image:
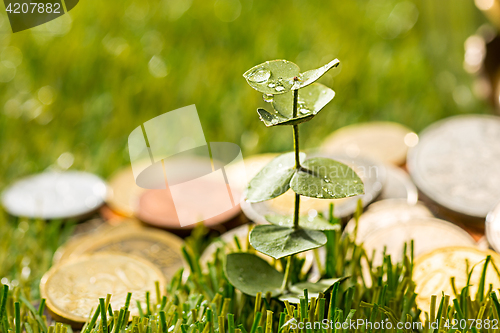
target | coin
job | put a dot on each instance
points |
(123, 196)
(73, 288)
(55, 195)
(227, 241)
(373, 176)
(203, 198)
(398, 185)
(87, 234)
(432, 272)
(456, 164)
(251, 166)
(492, 228)
(428, 234)
(386, 142)
(159, 247)
(384, 213)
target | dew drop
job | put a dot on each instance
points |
(268, 97)
(279, 88)
(260, 75)
(303, 111)
(271, 85)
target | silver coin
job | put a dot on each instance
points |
(55, 195)
(428, 234)
(456, 163)
(373, 175)
(398, 185)
(492, 229)
(384, 213)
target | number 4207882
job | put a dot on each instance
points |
(19, 8)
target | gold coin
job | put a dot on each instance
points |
(432, 272)
(123, 195)
(73, 288)
(90, 235)
(385, 142)
(161, 248)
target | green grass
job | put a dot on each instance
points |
(97, 69)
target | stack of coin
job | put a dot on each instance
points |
(115, 259)
(72, 289)
(386, 142)
(432, 273)
(373, 175)
(55, 195)
(455, 166)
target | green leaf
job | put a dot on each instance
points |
(311, 101)
(251, 274)
(325, 178)
(278, 242)
(272, 77)
(313, 223)
(313, 289)
(274, 179)
(309, 77)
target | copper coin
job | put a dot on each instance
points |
(456, 164)
(373, 176)
(433, 271)
(73, 288)
(398, 185)
(156, 207)
(386, 142)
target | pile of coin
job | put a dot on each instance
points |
(455, 166)
(109, 259)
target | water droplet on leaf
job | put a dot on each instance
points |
(268, 98)
(260, 75)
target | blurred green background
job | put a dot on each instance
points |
(81, 83)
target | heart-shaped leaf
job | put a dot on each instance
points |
(251, 274)
(325, 178)
(274, 179)
(311, 100)
(313, 223)
(278, 242)
(272, 77)
(313, 289)
(309, 77)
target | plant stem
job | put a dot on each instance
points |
(286, 279)
(297, 159)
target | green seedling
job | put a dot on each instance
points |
(295, 98)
